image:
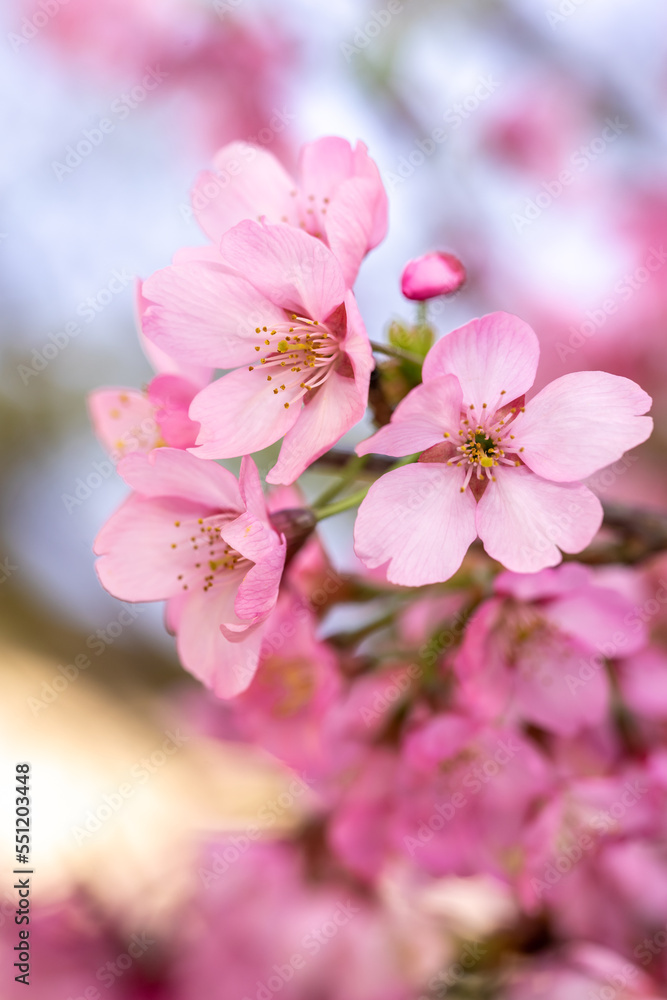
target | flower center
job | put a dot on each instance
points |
(485, 441)
(203, 555)
(298, 356)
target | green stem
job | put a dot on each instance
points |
(346, 639)
(354, 466)
(422, 314)
(336, 508)
(397, 352)
(355, 498)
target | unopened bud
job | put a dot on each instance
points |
(433, 274)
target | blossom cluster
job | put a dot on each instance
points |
(502, 723)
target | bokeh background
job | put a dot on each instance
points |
(527, 136)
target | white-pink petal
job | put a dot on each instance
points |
(523, 520)
(240, 414)
(580, 423)
(428, 415)
(124, 421)
(170, 472)
(200, 314)
(494, 358)
(227, 668)
(287, 266)
(248, 183)
(328, 413)
(350, 222)
(256, 540)
(416, 522)
(138, 561)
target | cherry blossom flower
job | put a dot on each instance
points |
(277, 307)
(493, 466)
(191, 534)
(339, 197)
(535, 651)
(433, 274)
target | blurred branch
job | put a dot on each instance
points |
(641, 534)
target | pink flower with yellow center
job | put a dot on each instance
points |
(191, 534)
(492, 465)
(276, 309)
(338, 196)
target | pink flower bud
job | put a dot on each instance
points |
(433, 274)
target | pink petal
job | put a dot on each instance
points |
(171, 396)
(169, 472)
(202, 315)
(323, 165)
(162, 362)
(441, 738)
(365, 167)
(137, 561)
(256, 540)
(124, 421)
(643, 683)
(240, 414)
(350, 222)
(597, 616)
(227, 668)
(428, 415)
(328, 413)
(418, 522)
(581, 422)
(546, 583)
(494, 358)
(287, 266)
(523, 520)
(251, 489)
(550, 693)
(248, 183)
(355, 343)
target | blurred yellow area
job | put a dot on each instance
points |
(120, 800)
